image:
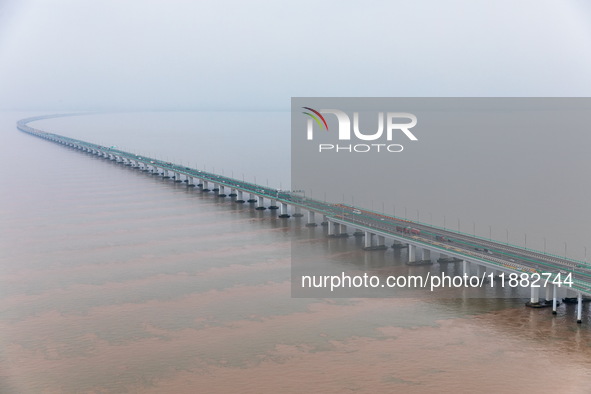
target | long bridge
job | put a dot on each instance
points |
(484, 256)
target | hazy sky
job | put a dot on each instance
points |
(145, 54)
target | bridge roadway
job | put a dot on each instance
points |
(485, 253)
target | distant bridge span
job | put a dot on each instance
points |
(474, 252)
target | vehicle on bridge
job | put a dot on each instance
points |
(408, 230)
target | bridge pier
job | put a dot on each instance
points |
(466, 268)
(535, 295)
(548, 295)
(273, 205)
(331, 228)
(252, 199)
(216, 188)
(554, 303)
(191, 182)
(311, 222)
(338, 230)
(222, 192)
(411, 253)
(240, 197)
(261, 204)
(381, 241)
(297, 212)
(283, 213)
(368, 240)
(205, 185)
(426, 254)
(478, 270)
(579, 307)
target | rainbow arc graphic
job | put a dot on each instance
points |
(317, 116)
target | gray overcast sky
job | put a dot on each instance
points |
(144, 54)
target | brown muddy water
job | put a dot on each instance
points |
(115, 281)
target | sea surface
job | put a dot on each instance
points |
(117, 281)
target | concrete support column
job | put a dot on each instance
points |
(368, 239)
(252, 198)
(331, 228)
(222, 191)
(535, 295)
(465, 267)
(297, 212)
(411, 252)
(426, 254)
(579, 308)
(554, 299)
(311, 222)
(261, 203)
(240, 197)
(190, 181)
(548, 293)
(205, 186)
(478, 270)
(381, 241)
(273, 205)
(342, 228)
(283, 213)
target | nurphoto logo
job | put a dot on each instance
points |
(316, 117)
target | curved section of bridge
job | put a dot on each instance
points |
(484, 255)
